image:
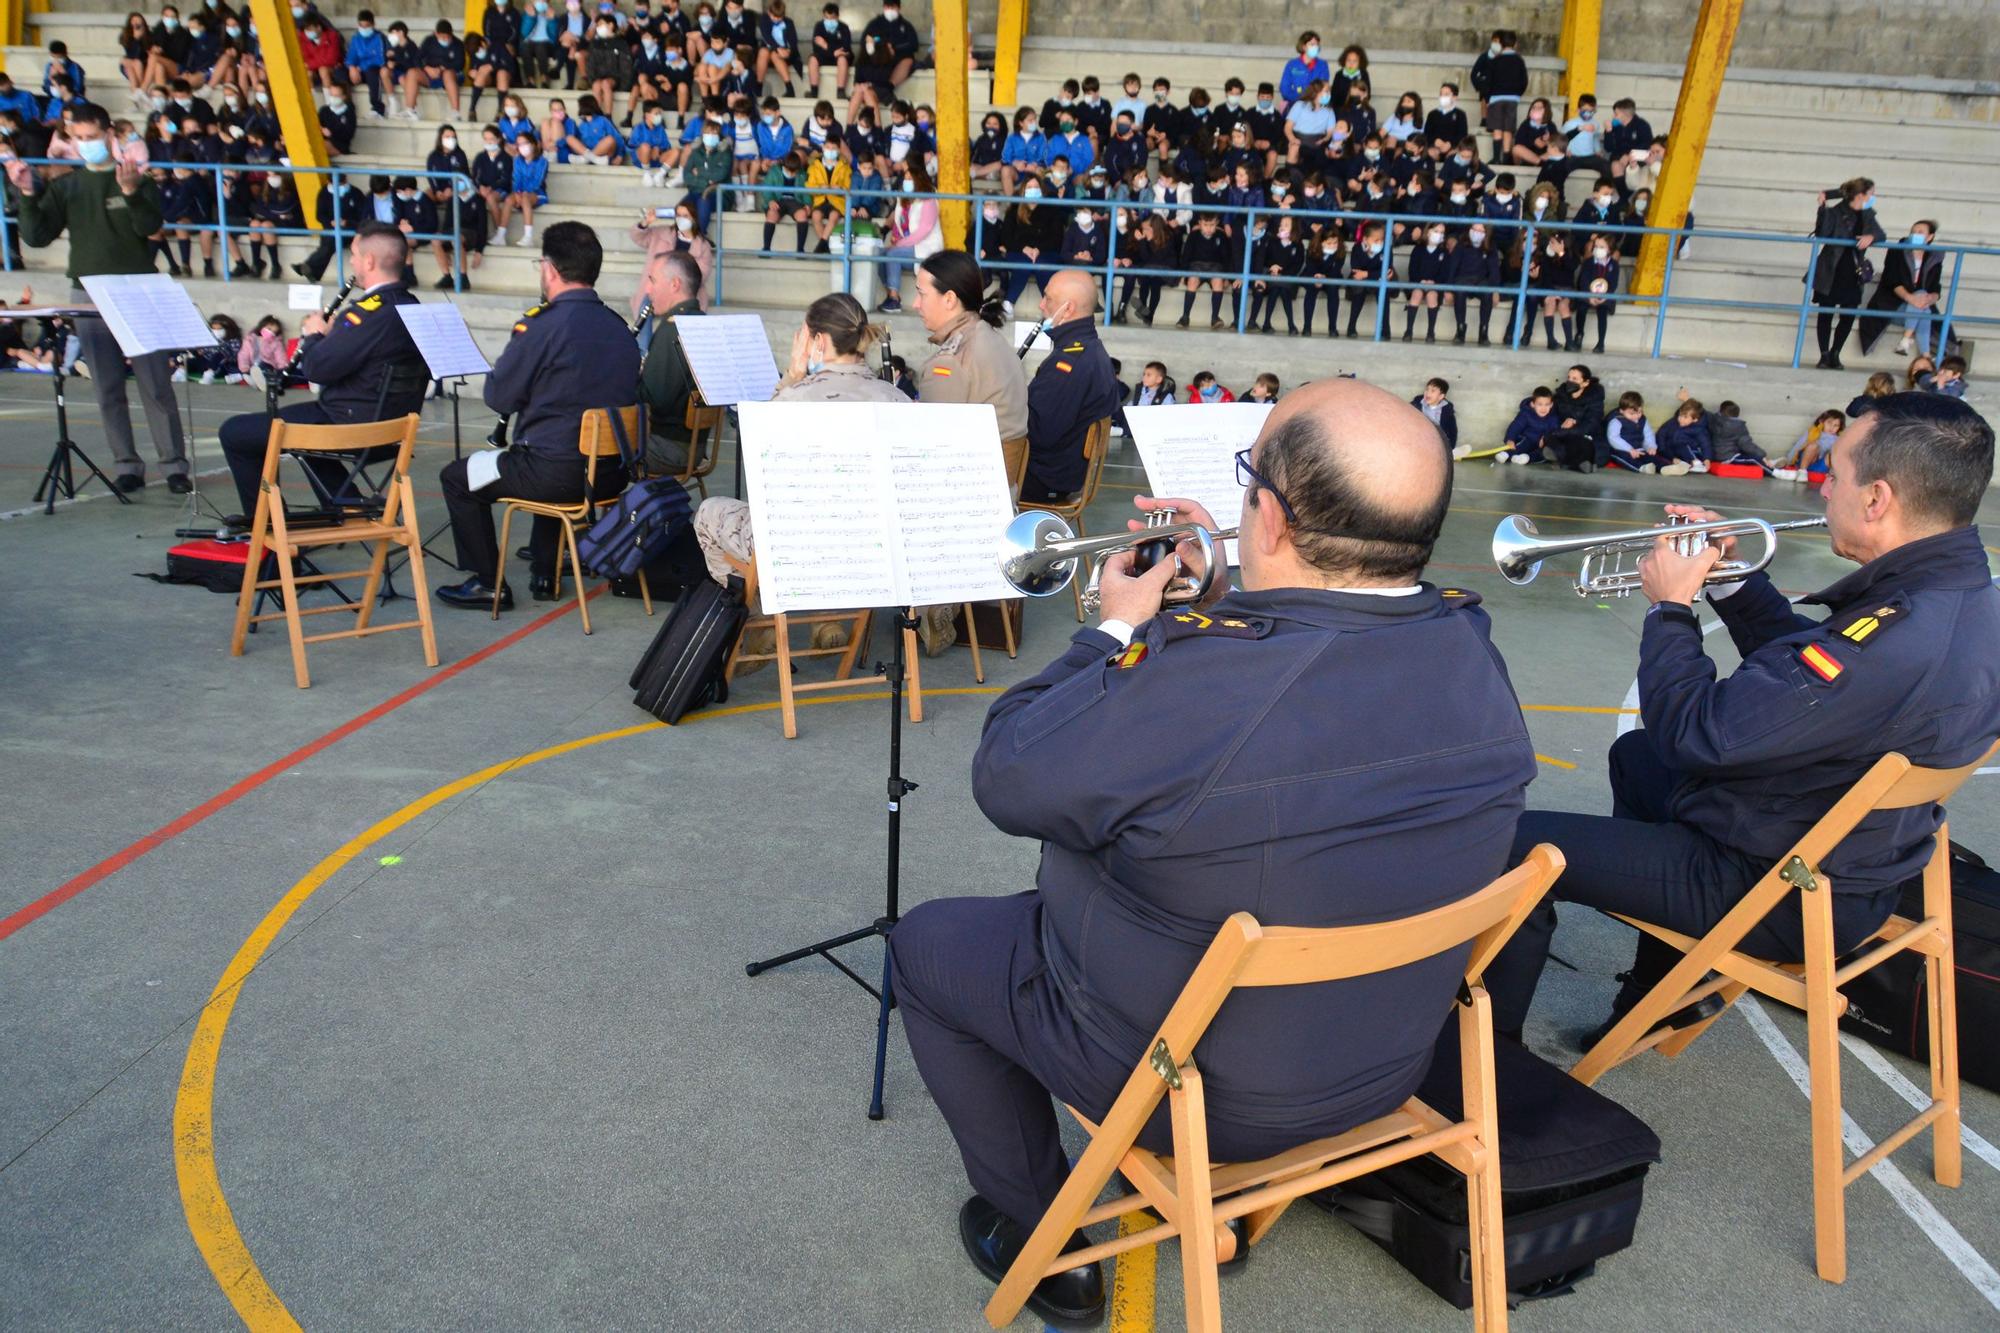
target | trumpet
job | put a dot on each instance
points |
(1519, 550)
(1040, 554)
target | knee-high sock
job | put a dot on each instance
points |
(1431, 322)
(1187, 306)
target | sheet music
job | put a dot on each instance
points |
(148, 312)
(442, 338)
(875, 504)
(1190, 449)
(730, 356)
(304, 296)
(482, 468)
(1023, 328)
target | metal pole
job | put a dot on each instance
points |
(1950, 303)
(1666, 295)
(1243, 282)
(847, 242)
(1110, 263)
(222, 221)
(1521, 291)
(1805, 301)
(1382, 282)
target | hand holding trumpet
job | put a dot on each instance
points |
(1137, 597)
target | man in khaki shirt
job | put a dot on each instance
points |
(972, 363)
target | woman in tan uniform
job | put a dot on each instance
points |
(971, 361)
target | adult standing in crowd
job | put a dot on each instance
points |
(1848, 221)
(109, 211)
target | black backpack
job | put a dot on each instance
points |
(682, 668)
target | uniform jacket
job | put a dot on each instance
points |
(1072, 389)
(566, 356)
(667, 383)
(1263, 799)
(1527, 431)
(973, 363)
(363, 345)
(1907, 659)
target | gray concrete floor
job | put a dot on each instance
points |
(517, 1078)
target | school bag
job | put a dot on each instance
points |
(1573, 1169)
(209, 563)
(1887, 1005)
(640, 524)
(681, 669)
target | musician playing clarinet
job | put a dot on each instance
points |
(568, 355)
(362, 358)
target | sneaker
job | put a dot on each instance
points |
(1699, 465)
(527, 236)
(372, 114)
(676, 180)
(1676, 468)
(208, 377)
(1785, 473)
(1521, 459)
(1903, 347)
(1500, 460)
(1462, 451)
(890, 306)
(1647, 468)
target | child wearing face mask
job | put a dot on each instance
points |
(1473, 262)
(607, 64)
(541, 46)
(1150, 243)
(1597, 281)
(1306, 68)
(1025, 151)
(1553, 271)
(1204, 388)
(709, 115)
(1350, 80)
(988, 153)
(493, 171)
(775, 139)
(788, 175)
(276, 209)
(401, 68)
(777, 46)
(443, 61)
(527, 189)
(1367, 264)
(591, 136)
(827, 173)
(832, 45)
(708, 163)
(264, 349)
(1427, 267)
(650, 142)
(1602, 208)
(1500, 77)
(1280, 254)
(1407, 121)
(366, 54)
(1326, 255)
(1446, 123)
(221, 361)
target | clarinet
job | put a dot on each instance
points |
(339, 300)
(888, 374)
(1021, 353)
(645, 313)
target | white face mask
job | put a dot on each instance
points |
(1493, 48)
(1504, 197)
(448, 142)
(1605, 200)
(1541, 207)
(683, 224)
(1086, 223)
(1445, 100)
(1436, 239)
(1458, 196)
(492, 150)
(1476, 235)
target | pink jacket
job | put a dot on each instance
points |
(914, 223)
(660, 238)
(268, 348)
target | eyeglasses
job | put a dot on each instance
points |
(1249, 478)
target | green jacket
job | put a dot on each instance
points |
(707, 166)
(666, 383)
(107, 228)
(787, 203)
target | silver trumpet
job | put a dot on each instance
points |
(1519, 550)
(1040, 555)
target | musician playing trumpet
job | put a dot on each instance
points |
(1726, 774)
(360, 355)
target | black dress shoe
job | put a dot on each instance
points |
(475, 594)
(993, 1240)
(179, 484)
(1629, 995)
(542, 587)
(130, 483)
(525, 554)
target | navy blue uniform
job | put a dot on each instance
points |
(1073, 388)
(1257, 797)
(566, 357)
(364, 354)
(1728, 774)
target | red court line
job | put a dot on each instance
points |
(159, 837)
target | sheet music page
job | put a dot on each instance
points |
(951, 498)
(820, 505)
(1190, 449)
(148, 312)
(304, 296)
(445, 342)
(730, 356)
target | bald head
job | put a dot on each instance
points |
(1367, 476)
(1069, 294)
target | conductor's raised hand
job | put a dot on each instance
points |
(130, 176)
(21, 176)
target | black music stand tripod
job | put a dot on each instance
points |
(59, 478)
(899, 787)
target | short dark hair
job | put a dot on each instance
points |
(1443, 385)
(1631, 401)
(90, 113)
(1936, 452)
(681, 264)
(1338, 529)
(574, 252)
(1624, 104)
(957, 272)
(1728, 409)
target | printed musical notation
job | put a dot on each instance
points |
(1190, 449)
(730, 356)
(869, 504)
(148, 312)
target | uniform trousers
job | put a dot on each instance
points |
(523, 476)
(1641, 864)
(994, 1037)
(246, 437)
(155, 375)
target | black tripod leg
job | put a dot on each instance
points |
(882, 1030)
(752, 969)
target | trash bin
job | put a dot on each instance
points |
(864, 273)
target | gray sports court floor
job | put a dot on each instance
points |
(497, 1065)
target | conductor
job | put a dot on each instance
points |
(1727, 774)
(1181, 765)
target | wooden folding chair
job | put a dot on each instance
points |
(1814, 986)
(596, 439)
(781, 625)
(1014, 454)
(704, 425)
(270, 535)
(1195, 1196)
(1096, 443)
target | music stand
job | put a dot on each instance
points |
(818, 473)
(59, 477)
(445, 343)
(732, 362)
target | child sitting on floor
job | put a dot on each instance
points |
(1534, 423)
(1204, 389)
(1685, 442)
(1435, 404)
(1630, 435)
(1816, 443)
(1263, 390)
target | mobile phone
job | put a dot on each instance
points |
(663, 215)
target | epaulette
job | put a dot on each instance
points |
(521, 325)
(1458, 599)
(369, 303)
(1074, 347)
(1188, 623)
(1863, 626)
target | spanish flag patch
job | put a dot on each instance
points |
(945, 371)
(1063, 366)
(1134, 654)
(353, 318)
(1821, 661)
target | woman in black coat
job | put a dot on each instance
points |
(1580, 409)
(1837, 274)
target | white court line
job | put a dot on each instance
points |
(1920, 1210)
(1878, 1065)
(94, 495)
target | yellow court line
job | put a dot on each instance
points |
(1134, 1276)
(1574, 708)
(210, 1221)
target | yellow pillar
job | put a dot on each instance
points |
(292, 98)
(1581, 21)
(1007, 55)
(13, 22)
(475, 21)
(954, 133)
(1687, 137)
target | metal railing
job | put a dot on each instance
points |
(1385, 285)
(338, 230)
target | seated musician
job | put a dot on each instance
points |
(568, 355)
(673, 284)
(1072, 390)
(363, 359)
(1336, 742)
(1727, 774)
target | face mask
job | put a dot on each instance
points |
(892, 14)
(1330, 248)
(1464, 161)
(1139, 183)
(527, 154)
(991, 213)
(338, 103)
(1199, 112)
(772, 121)
(1372, 154)
(298, 11)
(1032, 192)
(1159, 95)
(1535, 118)
(1264, 104)
(1312, 51)
(831, 159)
(448, 142)
(1601, 253)
(1918, 239)
(1233, 100)
(1436, 239)
(1588, 113)
(492, 150)
(1086, 223)
(367, 27)
(1324, 99)
(395, 39)
(1058, 176)
(683, 224)
(831, 25)
(710, 140)
(1458, 197)
(159, 103)
(1493, 48)
(707, 22)
(1541, 207)
(516, 113)
(1210, 394)
(1444, 102)
(234, 32)
(909, 186)
(95, 152)
(170, 24)
(1605, 200)
(1503, 198)
(742, 123)
(1374, 247)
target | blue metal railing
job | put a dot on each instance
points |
(338, 230)
(1383, 286)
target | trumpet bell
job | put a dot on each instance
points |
(1515, 543)
(1027, 535)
